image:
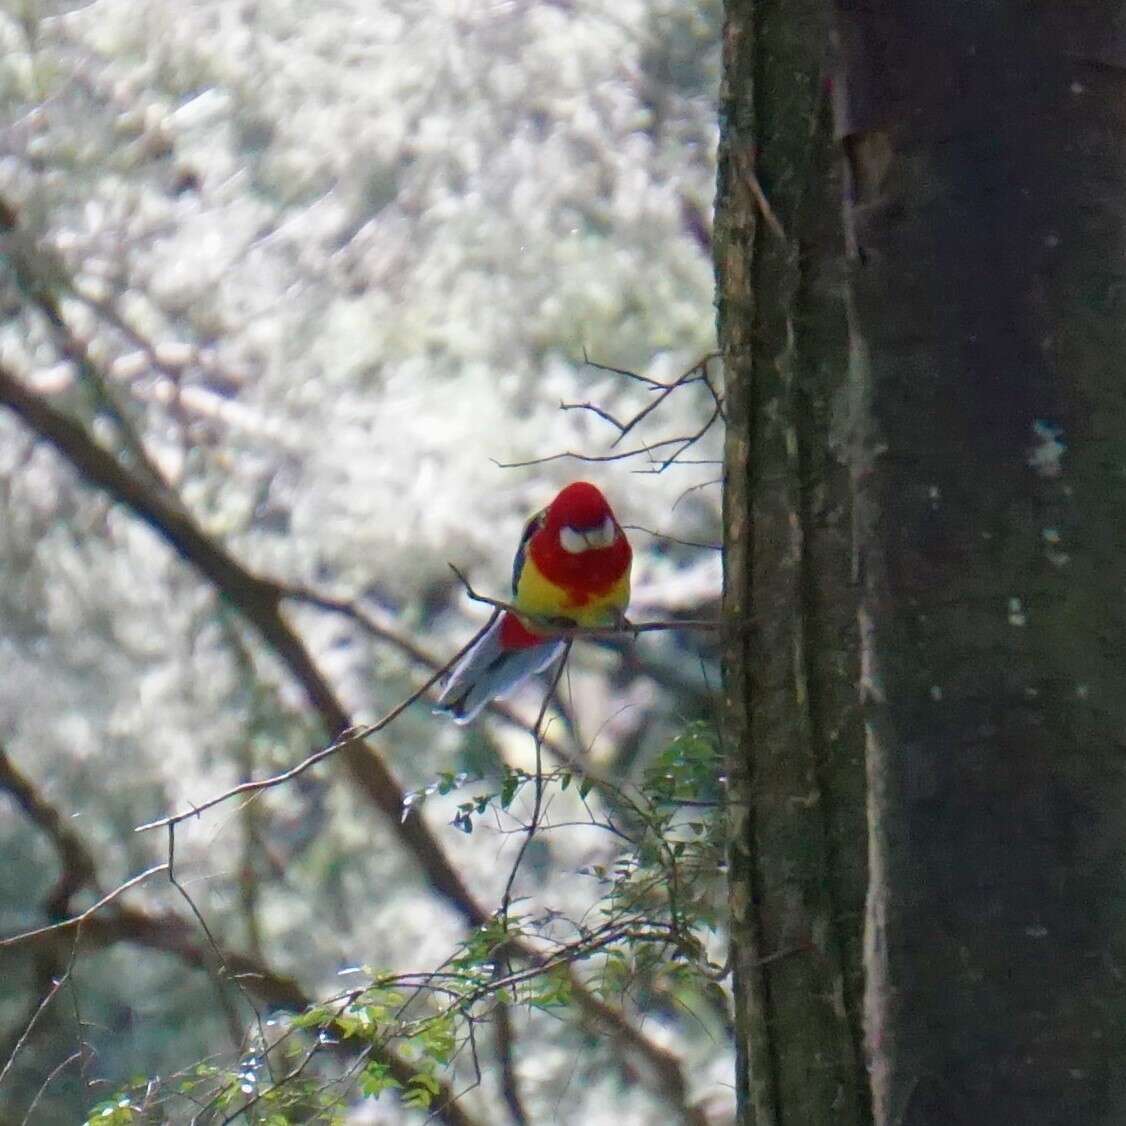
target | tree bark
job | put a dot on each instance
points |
(986, 147)
(794, 753)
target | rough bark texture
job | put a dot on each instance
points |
(795, 764)
(987, 152)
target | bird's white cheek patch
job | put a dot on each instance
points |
(603, 536)
(572, 541)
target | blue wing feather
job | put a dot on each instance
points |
(489, 671)
(530, 529)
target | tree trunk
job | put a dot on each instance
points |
(795, 750)
(986, 147)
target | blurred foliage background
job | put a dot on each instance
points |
(317, 267)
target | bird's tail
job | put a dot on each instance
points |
(497, 665)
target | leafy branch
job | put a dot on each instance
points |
(260, 601)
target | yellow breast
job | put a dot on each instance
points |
(537, 595)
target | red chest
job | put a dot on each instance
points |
(585, 575)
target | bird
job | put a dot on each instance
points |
(572, 568)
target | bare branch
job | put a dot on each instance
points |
(506, 899)
(553, 627)
(505, 1041)
(226, 970)
(621, 456)
(76, 920)
(688, 442)
(348, 739)
(697, 373)
(76, 863)
(258, 600)
(38, 273)
(56, 985)
(603, 414)
(656, 384)
(52, 1075)
(695, 489)
(366, 618)
(664, 538)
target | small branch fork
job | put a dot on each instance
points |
(697, 373)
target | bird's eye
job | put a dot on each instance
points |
(572, 541)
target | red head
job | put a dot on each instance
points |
(580, 506)
(581, 545)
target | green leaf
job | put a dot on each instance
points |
(437, 1040)
(377, 1078)
(423, 1079)
(315, 1017)
(418, 1098)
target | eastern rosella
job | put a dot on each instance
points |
(572, 568)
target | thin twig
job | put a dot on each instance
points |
(697, 373)
(564, 628)
(367, 619)
(649, 448)
(355, 735)
(747, 173)
(88, 1051)
(207, 932)
(672, 539)
(537, 804)
(654, 470)
(76, 920)
(505, 1041)
(593, 409)
(51, 1076)
(258, 599)
(682, 444)
(49, 996)
(656, 384)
